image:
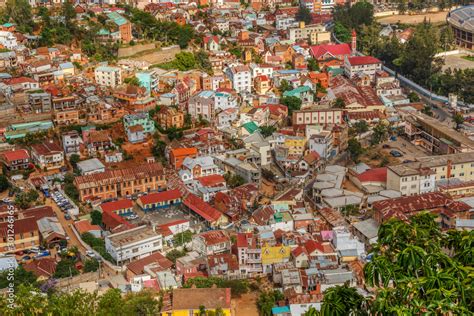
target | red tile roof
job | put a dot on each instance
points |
(373, 175)
(116, 205)
(202, 208)
(160, 196)
(177, 152)
(160, 262)
(363, 60)
(19, 154)
(214, 237)
(38, 212)
(85, 226)
(212, 180)
(42, 268)
(333, 49)
(20, 226)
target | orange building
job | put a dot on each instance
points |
(177, 156)
(170, 117)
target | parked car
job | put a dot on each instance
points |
(385, 146)
(26, 258)
(42, 254)
(90, 253)
(132, 217)
(67, 216)
(396, 153)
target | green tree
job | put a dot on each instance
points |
(174, 254)
(202, 60)
(267, 300)
(379, 134)
(342, 300)
(413, 97)
(141, 303)
(111, 303)
(361, 127)
(182, 238)
(355, 149)
(66, 268)
(20, 276)
(284, 86)
(96, 217)
(267, 130)
(91, 265)
(313, 64)
(342, 33)
(233, 180)
(339, 103)
(132, 81)
(292, 103)
(304, 15)
(19, 11)
(26, 198)
(458, 119)
(74, 159)
(4, 183)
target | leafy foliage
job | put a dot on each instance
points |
(97, 244)
(304, 15)
(20, 276)
(91, 265)
(66, 268)
(4, 183)
(182, 238)
(26, 199)
(96, 217)
(267, 130)
(233, 180)
(293, 103)
(355, 149)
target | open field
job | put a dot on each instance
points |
(414, 19)
(246, 305)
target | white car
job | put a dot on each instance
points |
(133, 216)
(90, 253)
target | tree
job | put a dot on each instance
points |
(342, 300)
(20, 276)
(379, 134)
(182, 238)
(361, 127)
(284, 86)
(313, 64)
(458, 119)
(66, 268)
(174, 254)
(4, 183)
(132, 81)
(202, 310)
(413, 97)
(267, 130)
(202, 60)
(355, 149)
(304, 15)
(74, 159)
(234, 180)
(111, 303)
(267, 300)
(96, 217)
(91, 265)
(19, 11)
(339, 103)
(26, 198)
(292, 103)
(342, 33)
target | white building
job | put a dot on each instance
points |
(411, 181)
(240, 77)
(108, 76)
(134, 243)
(47, 155)
(211, 242)
(261, 70)
(206, 103)
(8, 40)
(201, 166)
(284, 21)
(361, 65)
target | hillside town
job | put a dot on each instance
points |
(236, 158)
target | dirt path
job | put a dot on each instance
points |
(415, 19)
(246, 305)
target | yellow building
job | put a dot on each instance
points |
(187, 302)
(296, 145)
(275, 254)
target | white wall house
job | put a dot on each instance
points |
(108, 76)
(240, 77)
(134, 243)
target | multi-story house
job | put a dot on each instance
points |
(201, 105)
(178, 155)
(312, 116)
(420, 176)
(121, 182)
(361, 65)
(149, 80)
(323, 144)
(123, 26)
(135, 243)
(249, 254)
(211, 43)
(16, 159)
(48, 155)
(97, 142)
(240, 78)
(261, 70)
(201, 166)
(108, 76)
(39, 102)
(316, 33)
(71, 143)
(212, 242)
(25, 235)
(142, 119)
(169, 117)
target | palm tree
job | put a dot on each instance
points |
(379, 271)
(342, 300)
(312, 312)
(411, 260)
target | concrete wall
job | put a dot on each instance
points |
(132, 50)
